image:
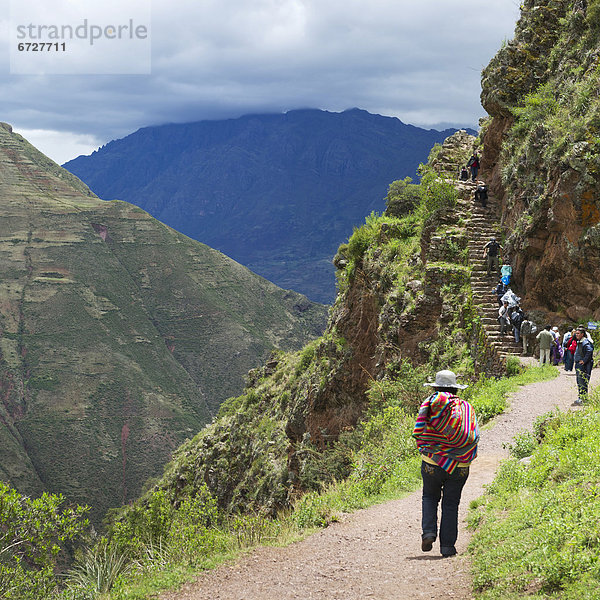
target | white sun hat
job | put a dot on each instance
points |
(446, 379)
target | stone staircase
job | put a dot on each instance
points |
(481, 227)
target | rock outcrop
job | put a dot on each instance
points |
(542, 151)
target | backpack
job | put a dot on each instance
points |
(482, 192)
(516, 318)
(526, 327)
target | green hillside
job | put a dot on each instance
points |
(406, 307)
(119, 337)
(327, 428)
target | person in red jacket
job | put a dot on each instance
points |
(569, 347)
(473, 164)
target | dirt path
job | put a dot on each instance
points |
(375, 553)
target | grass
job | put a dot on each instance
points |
(385, 466)
(490, 397)
(538, 526)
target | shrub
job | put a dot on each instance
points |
(98, 569)
(33, 534)
(513, 366)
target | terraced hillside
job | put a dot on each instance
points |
(119, 337)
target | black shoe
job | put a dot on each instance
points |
(427, 542)
(448, 551)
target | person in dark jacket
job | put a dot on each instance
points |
(490, 253)
(481, 194)
(583, 364)
(500, 290)
(473, 164)
(516, 318)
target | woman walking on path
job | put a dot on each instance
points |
(447, 435)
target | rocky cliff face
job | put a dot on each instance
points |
(542, 154)
(119, 337)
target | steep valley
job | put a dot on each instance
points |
(119, 337)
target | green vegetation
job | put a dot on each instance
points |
(119, 337)
(547, 81)
(34, 538)
(160, 543)
(537, 527)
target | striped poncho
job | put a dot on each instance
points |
(446, 430)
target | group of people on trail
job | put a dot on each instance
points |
(575, 349)
(510, 313)
(446, 429)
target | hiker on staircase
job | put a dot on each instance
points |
(481, 194)
(500, 290)
(473, 164)
(516, 318)
(490, 252)
(504, 317)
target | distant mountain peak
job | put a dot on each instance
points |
(276, 192)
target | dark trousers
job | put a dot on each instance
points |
(568, 358)
(439, 484)
(583, 380)
(492, 264)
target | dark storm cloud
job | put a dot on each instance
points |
(419, 61)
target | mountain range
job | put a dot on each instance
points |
(275, 192)
(119, 337)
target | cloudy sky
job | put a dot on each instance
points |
(212, 59)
